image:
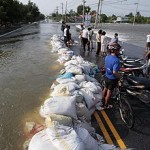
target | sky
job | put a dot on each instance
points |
(109, 7)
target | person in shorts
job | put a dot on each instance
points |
(112, 65)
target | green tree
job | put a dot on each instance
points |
(103, 18)
(87, 9)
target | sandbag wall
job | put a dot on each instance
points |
(74, 97)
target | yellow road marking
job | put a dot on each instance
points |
(103, 129)
(113, 130)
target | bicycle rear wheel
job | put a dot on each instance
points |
(126, 113)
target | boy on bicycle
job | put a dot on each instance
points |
(112, 65)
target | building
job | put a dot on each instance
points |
(121, 20)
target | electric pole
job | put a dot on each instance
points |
(83, 8)
(96, 18)
(66, 12)
(62, 11)
(137, 4)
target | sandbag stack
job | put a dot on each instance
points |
(74, 96)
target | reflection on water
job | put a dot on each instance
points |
(27, 70)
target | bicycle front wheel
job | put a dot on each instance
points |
(126, 113)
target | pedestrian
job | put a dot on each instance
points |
(63, 25)
(98, 42)
(80, 34)
(91, 34)
(104, 41)
(112, 65)
(85, 39)
(115, 38)
(66, 35)
(148, 41)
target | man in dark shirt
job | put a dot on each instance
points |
(112, 65)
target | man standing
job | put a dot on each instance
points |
(98, 41)
(148, 42)
(112, 65)
(63, 25)
(85, 39)
(66, 35)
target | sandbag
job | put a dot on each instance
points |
(60, 119)
(41, 141)
(65, 138)
(88, 140)
(62, 105)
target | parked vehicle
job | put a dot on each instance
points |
(138, 87)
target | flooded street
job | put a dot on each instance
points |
(27, 70)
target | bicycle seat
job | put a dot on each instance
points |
(139, 82)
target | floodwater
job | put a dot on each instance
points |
(28, 69)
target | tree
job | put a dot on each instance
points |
(87, 9)
(103, 18)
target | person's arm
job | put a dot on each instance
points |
(116, 68)
(117, 75)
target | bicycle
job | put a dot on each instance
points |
(125, 109)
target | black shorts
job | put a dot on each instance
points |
(110, 84)
(148, 45)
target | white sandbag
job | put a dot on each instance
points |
(74, 69)
(65, 89)
(74, 62)
(83, 111)
(80, 78)
(86, 126)
(41, 141)
(62, 105)
(61, 60)
(88, 97)
(91, 86)
(62, 50)
(107, 147)
(89, 141)
(80, 59)
(60, 119)
(65, 138)
(60, 90)
(79, 96)
(67, 80)
(88, 78)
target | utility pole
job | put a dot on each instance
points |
(57, 12)
(137, 4)
(96, 18)
(66, 12)
(62, 11)
(100, 12)
(83, 8)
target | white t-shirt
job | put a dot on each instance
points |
(85, 33)
(104, 40)
(148, 38)
(65, 32)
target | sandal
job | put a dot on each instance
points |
(108, 106)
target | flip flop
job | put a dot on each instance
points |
(108, 106)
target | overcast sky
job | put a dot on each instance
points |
(109, 7)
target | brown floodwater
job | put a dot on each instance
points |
(27, 70)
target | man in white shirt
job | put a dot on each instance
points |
(148, 42)
(85, 39)
(104, 42)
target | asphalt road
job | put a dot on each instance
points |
(108, 122)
